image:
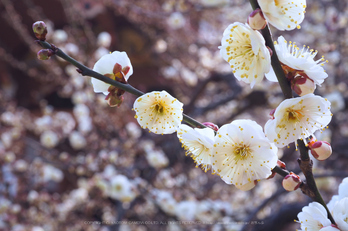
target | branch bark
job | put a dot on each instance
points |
(309, 186)
(85, 71)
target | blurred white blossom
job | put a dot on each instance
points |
(176, 20)
(49, 139)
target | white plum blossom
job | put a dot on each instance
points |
(300, 61)
(120, 188)
(77, 140)
(340, 214)
(71, 49)
(285, 14)
(313, 217)
(248, 186)
(20, 165)
(51, 173)
(338, 206)
(80, 110)
(100, 52)
(32, 196)
(156, 158)
(245, 50)
(298, 118)
(59, 36)
(198, 142)
(114, 65)
(242, 153)
(176, 20)
(37, 228)
(186, 210)
(158, 111)
(133, 130)
(205, 211)
(337, 101)
(213, 3)
(49, 139)
(342, 193)
(166, 201)
(104, 39)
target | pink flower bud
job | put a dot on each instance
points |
(302, 85)
(211, 125)
(291, 182)
(256, 20)
(321, 150)
(40, 30)
(44, 54)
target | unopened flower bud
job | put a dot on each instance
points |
(44, 54)
(40, 30)
(321, 150)
(291, 182)
(302, 85)
(256, 20)
(211, 125)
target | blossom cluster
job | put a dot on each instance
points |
(70, 157)
(240, 152)
(314, 217)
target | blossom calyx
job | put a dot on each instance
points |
(40, 30)
(211, 125)
(115, 66)
(302, 85)
(45, 54)
(256, 20)
(280, 164)
(114, 99)
(321, 150)
(291, 182)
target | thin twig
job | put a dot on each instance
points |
(85, 71)
(278, 70)
(309, 187)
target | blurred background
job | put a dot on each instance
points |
(70, 162)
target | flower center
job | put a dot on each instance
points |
(159, 108)
(241, 152)
(118, 188)
(293, 115)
